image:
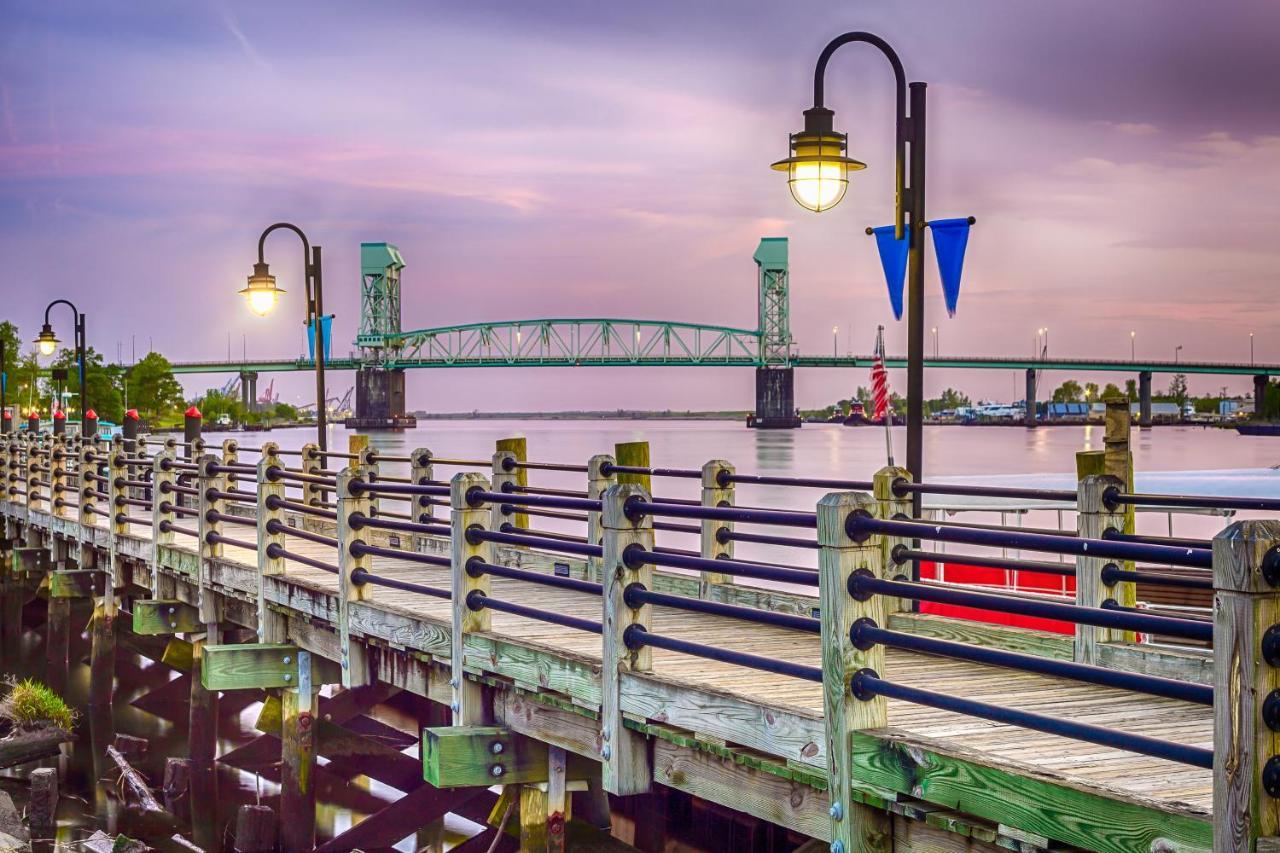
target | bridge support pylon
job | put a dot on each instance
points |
(1144, 398)
(1260, 383)
(1030, 417)
(775, 399)
(380, 400)
(249, 390)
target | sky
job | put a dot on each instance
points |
(587, 159)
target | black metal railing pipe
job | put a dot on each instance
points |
(276, 552)
(1115, 497)
(363, 549)
(859, 525)
(1172, 541)
(903, 487)
(359, 521)
(637, 507)
(866, 633)
(685, 473)
(902, 554)
(636, 594)
(275, 526)
(636, 555)
(581, 549)
(636, 636)
(477, 600)
(864, 585)
(378, 487)
(363, 576)
(724, 478)
(477, 567)
(478, 496)
(1112, 575)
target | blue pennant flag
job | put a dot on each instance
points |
(950, 236)
(326, 333)
(893, 257)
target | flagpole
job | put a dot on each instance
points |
(888, 411)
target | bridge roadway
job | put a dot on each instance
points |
(750, 740)
(1079, 365)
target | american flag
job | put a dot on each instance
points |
(880, 381)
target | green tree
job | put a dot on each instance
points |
(1131, 389)
(214, 404)
(1178, 389)
(1091, 391)
(103, 381)
(12, 357)
(152, 389)
(1068, 392)
(1111, 391)
(284, 412)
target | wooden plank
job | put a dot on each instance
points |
(72, 584)
(1028, 801)
(465, 756)
(165, 616)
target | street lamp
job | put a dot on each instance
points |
(47, 344)
(262, 294)
(835, 341)
(1133, 352)
(935, 341)
(1251, 347)
(817, 175)
(1176, 350)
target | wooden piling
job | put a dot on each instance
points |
(255, 829)
(597, 482)
(889, 506)
(58, 644)
(634, 454)
(715, 494)
(422, 472)
(202, 740)
(297, 756)
(355, 664)
(271, 626)
(1095, 518)
(102, 675)
(42, 808)
(518, 450)
(176, 787)
(468, 705)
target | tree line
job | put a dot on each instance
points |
(148, 386)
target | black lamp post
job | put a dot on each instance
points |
(818, 174)
(47, 344)
(262, 295)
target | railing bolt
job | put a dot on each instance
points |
(497, 770)
(455, 684)
(606, 752)
(456, 707)
(837, 846)
(497, 747)
(836, 811)
(288, 677)
(286, 659)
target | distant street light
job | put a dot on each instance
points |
(1133, 352)
(47, 344)
(935, 341)
(262, 294)
(1176, 350)
(817, 175)
(835, 341)
(1251, 347)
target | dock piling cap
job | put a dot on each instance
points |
(132, 415)
(193, 412)
(59, 415)
(91, 415)
(8, 415)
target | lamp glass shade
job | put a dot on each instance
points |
(46, 342)
(261, 294)
(818, 169)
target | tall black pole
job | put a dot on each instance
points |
(317, 310)
(915, 295)
(80, 357)
(4, 377)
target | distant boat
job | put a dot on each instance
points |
(1259, 428)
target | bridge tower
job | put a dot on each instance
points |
(775, 376)
(379, 385)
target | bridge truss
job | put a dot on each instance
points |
(575, 342)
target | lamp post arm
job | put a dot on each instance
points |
(49, 307)
(306, 244)
(900, 123)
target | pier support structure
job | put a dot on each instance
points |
(1030, 416)
(1144, 398)
(1260, 394)
(249, 390)
(380, 400)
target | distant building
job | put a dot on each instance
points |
(1066, 412)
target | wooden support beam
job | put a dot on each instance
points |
(400, 819)
(625, 753)
(1246, 749)
(715, 494)
(297, 757)
(163, 499)
(165, 616)
(29, 559)
(202, 741)
(422, 472)
(854, 827)
(208, 528)
(262, 666)
(468, 705)
(271, 626)
(76, 583)
(465, 756)
(888, 506)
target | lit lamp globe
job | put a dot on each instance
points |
(46, 342)
(818, 170)
(261, 294)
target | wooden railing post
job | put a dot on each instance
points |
(1094, 518)
(89, 455)
(32, 474)
(271, 626)
(888, 506)
(468, 702)
(355, 665)
(422, 472)
(311, 464)
(597, 482)
(209, 528)
(11, 467)
(854, 827)
(625, 755)
(715, 493)
(503, 479)
(57, 474)
(163, 479)
(1246, 684)
(230, 456)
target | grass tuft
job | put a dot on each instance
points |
(32, 705)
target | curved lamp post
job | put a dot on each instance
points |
(817, 174)
(262, 294)
(47, 344)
